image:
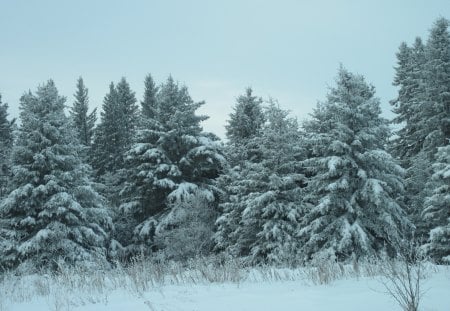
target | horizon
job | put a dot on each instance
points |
(289, 50)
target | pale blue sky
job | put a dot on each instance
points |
(289, 50)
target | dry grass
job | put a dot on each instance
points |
(70, 287)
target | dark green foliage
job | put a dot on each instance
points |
(171, 160)
(354, 181)
(115, 133)
(84, 122)
(53, 213)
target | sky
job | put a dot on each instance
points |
(286, 50)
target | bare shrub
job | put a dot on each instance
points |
(403, 279)
(188, 230)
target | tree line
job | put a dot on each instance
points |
(146, 178)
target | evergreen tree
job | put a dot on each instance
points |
(171, 160)
(114, 135)
(244, 124)
(437, 77)
(53, 213)
(6, 142)
(408, 144)
(437, 211)
(247, 118)
(262, 213)
(436, 116)
(355, 181)
(422, 106)
(409, 102)
(129, 110)
(84, 122)
(149, 103)
(107, 148)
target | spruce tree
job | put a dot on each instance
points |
(355, 181)
(84, 122)
(423, 76)
(408, 144)
(107, 148)
(244, 124)
(129, 110)
(247, 118)
(409, 103)
(148, 105)
(436, 113)
(436, 211)
(262, 212)
(114, 135)
(53, 213)
(6, 143)
(172, 160)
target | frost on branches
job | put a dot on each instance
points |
(53, 213)
(437, 211)
(422, 107)
(171, 161)
(262, 212)
(6, 143)
(354, 180)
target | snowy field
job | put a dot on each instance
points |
(176, 288)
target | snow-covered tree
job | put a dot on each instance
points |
(423, 78)
(84, 122)
(114, 135)
(437, 208)
(53, 213)
(172, 159)
(6, 142)
(107, 147)
(244, 124)
(129, 110)
(408, 142)
(149, 103)
(409, 79)
(262, 211)
(191, 231)
(247, 118)
(355, 181)
(436, 111)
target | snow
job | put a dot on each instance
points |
(351, 293)
(333, 162)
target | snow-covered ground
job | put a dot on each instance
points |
(294, 292)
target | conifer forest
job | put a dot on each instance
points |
(86, 187)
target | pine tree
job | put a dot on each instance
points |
(53, 213)
(84, 122)
(263, 211)
(171, 160)
(355, 181)
(437, 211)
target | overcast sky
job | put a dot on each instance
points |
(288, 50)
